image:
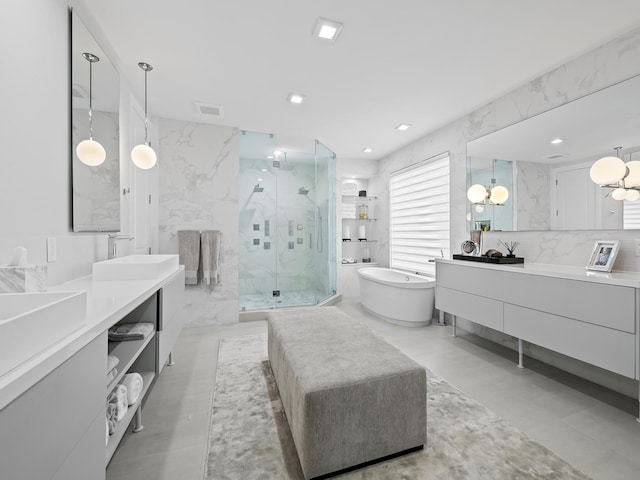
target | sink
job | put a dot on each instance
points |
(32, 322)
(135, 267)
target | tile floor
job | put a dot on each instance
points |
(590, 427)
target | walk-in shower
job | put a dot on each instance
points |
(287, 220)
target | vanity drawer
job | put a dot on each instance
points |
(604, 347)
(470, 279)
(477, 309)
(606, 305)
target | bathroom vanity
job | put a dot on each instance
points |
(53, 405)
(590, 316)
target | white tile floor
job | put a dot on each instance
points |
(596, 430)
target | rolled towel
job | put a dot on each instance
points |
(130, 331)
(118, 398)
(112, 422)
(107, 433)
(111, 375)
(112, 362)
(133, 382)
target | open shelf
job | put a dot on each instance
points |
(127, 352)
(121, 429)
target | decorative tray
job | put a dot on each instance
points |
(503, 260)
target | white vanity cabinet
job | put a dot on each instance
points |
(593, 318)
(56, 429)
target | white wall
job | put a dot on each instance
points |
(35, 198)
(609, 64)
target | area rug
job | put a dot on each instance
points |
(250, 438)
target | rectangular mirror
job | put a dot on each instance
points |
(548, 182)
(96, 189)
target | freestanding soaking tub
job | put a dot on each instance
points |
(397, 297)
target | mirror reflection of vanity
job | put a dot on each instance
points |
(96, 189)
(549, 183)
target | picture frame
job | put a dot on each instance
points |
(604, 255)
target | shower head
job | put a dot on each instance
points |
(258, 188)
(302, 191)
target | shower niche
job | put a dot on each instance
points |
(287, 222)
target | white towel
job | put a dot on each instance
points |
(118, 398)
(210, 240)
(111, 375)
(112, 362)
(189, 253)
(133, 383)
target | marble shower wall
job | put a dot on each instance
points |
(533, 213)
(199, 190)
(613, 62)
(284, 250)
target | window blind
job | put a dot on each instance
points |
(631, 215)
(419, 216)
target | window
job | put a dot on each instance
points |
(419, 217)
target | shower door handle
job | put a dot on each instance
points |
(311, 241)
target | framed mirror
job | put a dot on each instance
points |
(544, 162)
(95, 84)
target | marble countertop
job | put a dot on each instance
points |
(624, 279)
(107, 303)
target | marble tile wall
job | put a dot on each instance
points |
(533, 213)
(609, 64)
(199, 190)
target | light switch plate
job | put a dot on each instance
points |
(51, 249)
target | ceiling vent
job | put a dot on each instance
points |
(555, 156)
(208, 109)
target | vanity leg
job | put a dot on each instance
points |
(137, 426)
(520, 354)
(453, 324)
(441, 321)
(170, 362)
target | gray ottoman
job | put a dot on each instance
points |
(350, 397)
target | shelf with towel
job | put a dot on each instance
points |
(121, 429)
(127, 352)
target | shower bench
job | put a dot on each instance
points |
(350, 397)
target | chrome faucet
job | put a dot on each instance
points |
(112, 242)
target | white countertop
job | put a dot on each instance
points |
(624, 279)
(107, 303)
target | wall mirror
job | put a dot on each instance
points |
(96, 189)
(548, 182)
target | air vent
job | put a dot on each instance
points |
(555, 156)
(208, 109)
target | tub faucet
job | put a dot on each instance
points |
(112, 242)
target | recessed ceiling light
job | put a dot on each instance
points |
(556, 141)
(260, 179)
(327, 29)
(367, 150)
(264, 169)
(403, 126)
(270, 157)
(277, 152)
(295, 98)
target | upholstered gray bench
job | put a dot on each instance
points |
(349, 396)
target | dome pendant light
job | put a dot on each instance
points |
(89, 151)
(143, 156)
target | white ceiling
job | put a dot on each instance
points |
(423, 62)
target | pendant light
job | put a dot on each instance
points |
(623, 178)
(89, 151)
(480, 195)
(143, 156)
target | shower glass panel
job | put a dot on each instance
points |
(287, 219)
